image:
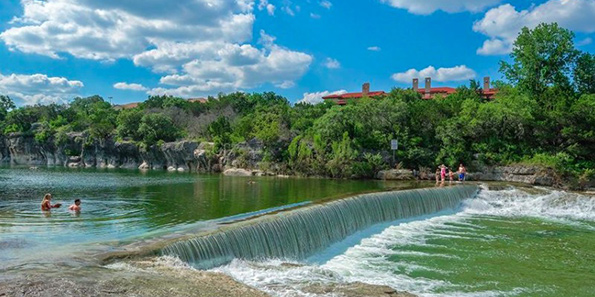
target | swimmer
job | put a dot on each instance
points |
(46, 203)
(76, 206)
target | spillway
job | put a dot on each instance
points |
(300, 233)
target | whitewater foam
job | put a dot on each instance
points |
(368, 261)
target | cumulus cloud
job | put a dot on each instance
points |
(112, 29)
(238, 67)
(502, 24)
(326, 4)
(457, 73)
(130, 87)
(199, 46)
(451, 6)
(39, 88)
(270, 8)
(374, 48)
(585, 41)
(316, 97)
(331, 63)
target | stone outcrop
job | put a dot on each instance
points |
(395, 174)
(75, 151)
(527, 174)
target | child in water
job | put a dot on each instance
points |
(46, 203)
(76, 206)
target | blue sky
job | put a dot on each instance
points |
(54, 50)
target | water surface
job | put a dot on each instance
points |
(121, 206)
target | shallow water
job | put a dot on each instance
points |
(123, 206)
(503, 243)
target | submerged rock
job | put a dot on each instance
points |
(356, 289)
(395, 174)
(237, 172)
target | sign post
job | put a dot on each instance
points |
(394, 145)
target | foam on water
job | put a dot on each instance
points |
(368, 261)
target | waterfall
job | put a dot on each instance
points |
(300, 233)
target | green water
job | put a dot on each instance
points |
(122, 206)
(524, 256)
(502, 243)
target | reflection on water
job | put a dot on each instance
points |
(120, 206)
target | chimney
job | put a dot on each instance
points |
(428, 87)
(486, 83)
(415, 84)
(366, 89)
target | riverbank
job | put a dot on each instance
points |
(156, 277)
(244, 159)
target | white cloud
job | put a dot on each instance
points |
(374, 48)
(502, 24)
(288, 10)
(130, 87)
(315, 98)
(200, 46)
(112, 29)
(457, 73)
(326, 4)
(270, 8)
(451, 6)
(315, 16)
(39, 88)
(585, 41)
(238, 67)
(332, 63)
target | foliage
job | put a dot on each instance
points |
(544, 114)
(156, 127)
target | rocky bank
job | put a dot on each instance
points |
(77, 151)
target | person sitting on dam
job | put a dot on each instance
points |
(46, 203)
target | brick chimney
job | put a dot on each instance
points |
(366, 89)
(428, 87)
(415, 84)
(486, 83)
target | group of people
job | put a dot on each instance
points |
(443, 171)
(46, 204)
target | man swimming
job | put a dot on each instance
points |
(76, 206)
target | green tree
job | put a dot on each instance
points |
(128, 122)
(584, 74)
(542, 57)
(155, 127)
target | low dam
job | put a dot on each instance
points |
(300, 233)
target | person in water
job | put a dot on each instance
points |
(442, 172)
(462, 172)
(76, 206)
(46, 203)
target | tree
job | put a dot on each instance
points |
(128, 123)
(6, 104)
(155, 127)
(542, 57)
(584, 74)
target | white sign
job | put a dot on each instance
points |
(394, 144)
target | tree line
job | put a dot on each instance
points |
(543, 114)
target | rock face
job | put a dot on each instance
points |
(395, 174)
(238, 172)
(75, 151)
(534, 175)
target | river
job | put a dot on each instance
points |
(508, 241)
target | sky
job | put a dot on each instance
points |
(56, 50)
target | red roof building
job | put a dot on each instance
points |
(342, 99)
(429, 93)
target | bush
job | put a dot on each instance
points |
(155, 127)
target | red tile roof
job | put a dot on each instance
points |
(354, 95)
